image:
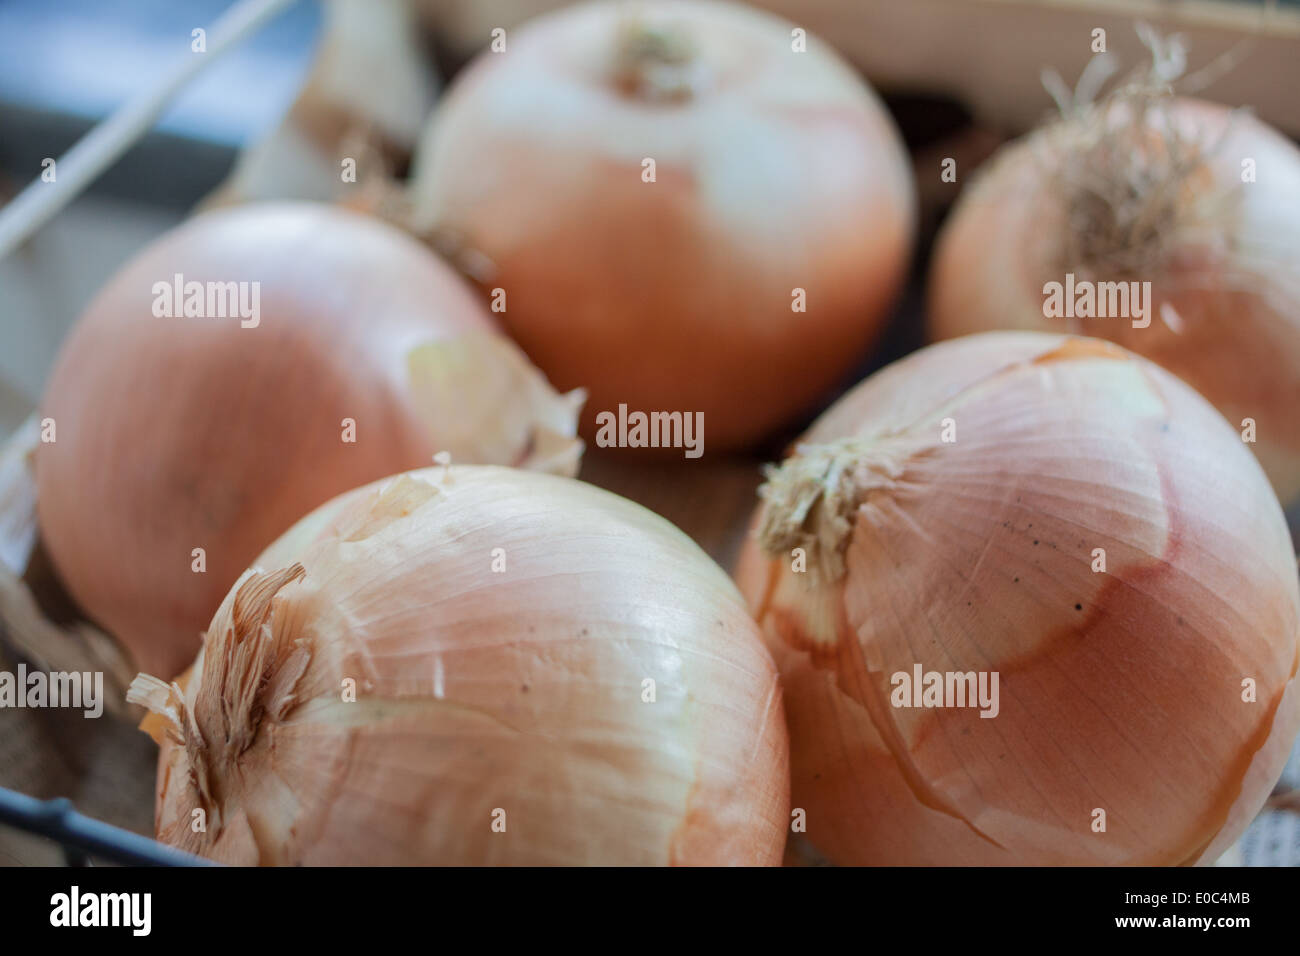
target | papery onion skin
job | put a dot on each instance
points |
(520, 690)
(781, 170)
(364, 97)
(1119, 690)
(178, 433)
(1231, 275)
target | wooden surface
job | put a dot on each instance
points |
(105, 766)
(711, 499)
(989, 53)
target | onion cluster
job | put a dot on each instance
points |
(1023, 597)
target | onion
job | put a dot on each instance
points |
(1097, 537)
(176, 434)
(775, 171)
(1146, 187)
(499, 718)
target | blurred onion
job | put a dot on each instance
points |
(176, 433)
(1148, 188)
(775, 170)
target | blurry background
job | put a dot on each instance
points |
(64, 64)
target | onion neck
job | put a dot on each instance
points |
(1129, 187)
(656, 63)
(1135, 181)
(250, 666)
(812, 499)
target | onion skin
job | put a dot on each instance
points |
(183, 433)
(477, 690)
(1231, 277)
(366, 95)
(781, 171)
(1119, 690)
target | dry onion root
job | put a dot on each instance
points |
(184, 444)
(1094, 534)
(1144, 186)
(768, 246)
(544, 673)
